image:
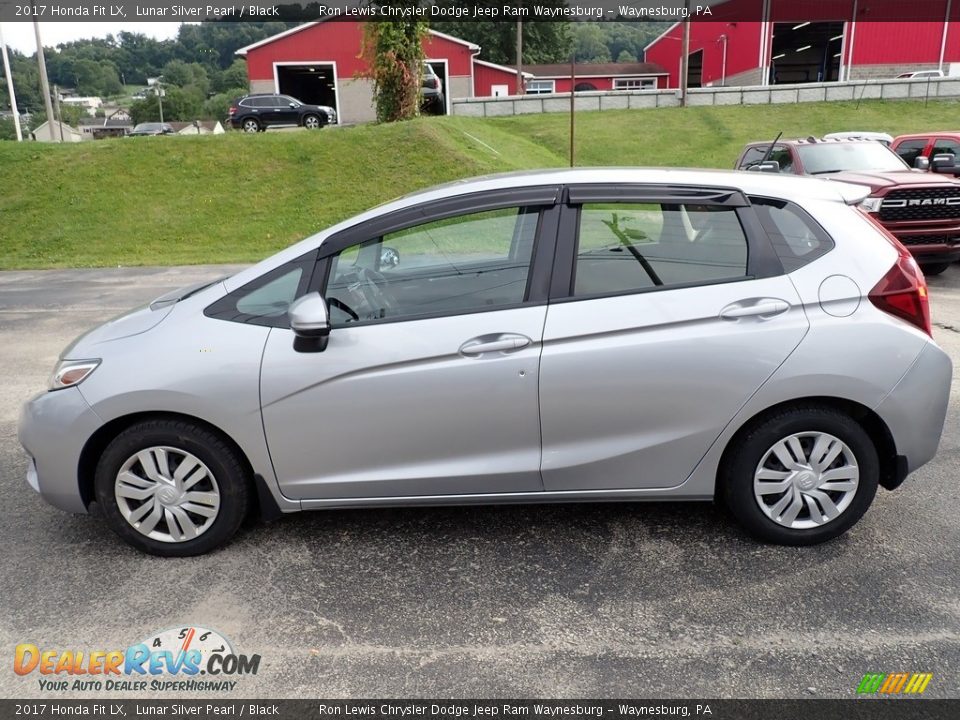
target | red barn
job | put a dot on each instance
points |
(319, 62)
(761, 42)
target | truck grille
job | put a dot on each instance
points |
(921, 204)
(930, 240)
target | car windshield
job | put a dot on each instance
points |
(826, 158)
(148, 127)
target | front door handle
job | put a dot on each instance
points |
(763, 308)
(496, 343)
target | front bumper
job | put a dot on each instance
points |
(916, 408)
(53, 428)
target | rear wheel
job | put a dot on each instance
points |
(251, 125)
(802, 476)
(934, 268)
(172, 488)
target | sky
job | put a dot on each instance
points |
(19, 35)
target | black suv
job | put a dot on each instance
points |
(255, 113)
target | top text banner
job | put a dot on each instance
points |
(120, 11)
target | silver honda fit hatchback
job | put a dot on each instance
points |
(607, 334)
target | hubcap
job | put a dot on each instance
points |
(312, 123)
(806, 480)
(167, 494)
(250, 126)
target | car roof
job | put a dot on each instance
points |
(935, 134)
(814, 141)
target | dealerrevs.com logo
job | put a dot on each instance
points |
(178, 659)
(894, 683)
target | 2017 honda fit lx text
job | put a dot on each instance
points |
(607, 334)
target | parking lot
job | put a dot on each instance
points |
(555, 601)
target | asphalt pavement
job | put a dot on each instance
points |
(611, 600)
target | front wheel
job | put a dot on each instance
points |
(312, 122)
(802, 476)
(172, 488)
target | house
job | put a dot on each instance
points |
(45, 132)
(117, 124)
(592, 77)
(198, 127)
(755, 42)
(88, 104)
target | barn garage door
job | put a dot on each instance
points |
(315, 84)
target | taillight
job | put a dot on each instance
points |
(902, 292)
(233, 109)
(432, 82)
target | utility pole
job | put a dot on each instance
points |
(159, 91)
(520, 88)
(573, 82)
(685, 61)
(10, 90)
(56, 100)
(44, 83)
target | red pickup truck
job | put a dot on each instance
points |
(921, 209)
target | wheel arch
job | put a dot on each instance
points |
(98, 442)
(892, 466)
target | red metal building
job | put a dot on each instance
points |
(761, 42)
(319, 62)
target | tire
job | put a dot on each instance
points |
(204, 482)
(250, 125)
(855, 472)
(934, 268)
(312, 122)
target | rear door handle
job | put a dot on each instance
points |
(497, 343)
(764, 308)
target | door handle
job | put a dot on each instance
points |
(765, 308)
(498, 343)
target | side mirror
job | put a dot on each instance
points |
(310, 322)
(770, 166)
(943, 163)
(922, 163)
(389, 258)
(293, 105)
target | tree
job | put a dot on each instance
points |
(218, 106)
(178, 104)
(394, 55)
(626, 56)
(543, 42)
(234, 76)
(590, 43)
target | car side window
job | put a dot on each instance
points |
(910, 150)
(265, 300)
(944, 147)
(755, 155)
(467, 263)
(796, 237)
(630, 247)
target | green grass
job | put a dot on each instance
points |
(237, 198)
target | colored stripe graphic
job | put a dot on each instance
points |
(894, 683)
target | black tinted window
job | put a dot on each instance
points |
(796, 237)
(755, 155)
(625, 247)
(910, 150)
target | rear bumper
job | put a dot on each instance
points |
(916, 408)
(53, 428)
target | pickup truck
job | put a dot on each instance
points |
(920, 209)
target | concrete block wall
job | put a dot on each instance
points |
(886, 89)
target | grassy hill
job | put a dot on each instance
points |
(237, 198)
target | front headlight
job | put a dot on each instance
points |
(71, 372)
(872, 204)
